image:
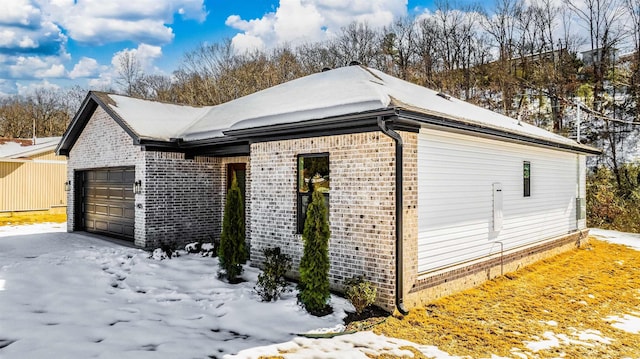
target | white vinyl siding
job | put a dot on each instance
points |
(456, 177)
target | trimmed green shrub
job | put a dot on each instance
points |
(271, 282)
(314, 265)
(232, 252)
(360, 292)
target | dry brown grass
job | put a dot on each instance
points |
(577, 289)
(31, 217)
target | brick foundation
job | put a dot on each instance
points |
(431, 286)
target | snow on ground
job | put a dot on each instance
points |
(588, 338)
(74, 295)
(628, 239)
(627, 322)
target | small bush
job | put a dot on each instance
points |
(360, 292)
(271, 282)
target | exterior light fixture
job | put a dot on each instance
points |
(137, 187)
(67, 186)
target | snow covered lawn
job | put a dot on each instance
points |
(72, 295)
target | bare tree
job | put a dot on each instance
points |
(201, 70)
(314, 57)
(633, 8)
(129, 71)
(427, 63)
(15, 118)
(602, 18)
(501, 26)
(398, 45)
(358, 42)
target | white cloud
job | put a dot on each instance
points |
(30, 88)
(86, 67)
(99, 31)
(100, 22)
(297, 21)
(23, 29)
(145, 55)
(19, 12)
(245, 42)
(56, 70)
(103, 82)
(27, 43)
(34, 34)
(105, 77)
(31, 67)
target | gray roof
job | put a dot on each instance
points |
(343, 91)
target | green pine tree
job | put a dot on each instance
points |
(233, 250)
(314, 265)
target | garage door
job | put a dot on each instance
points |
(108, 201)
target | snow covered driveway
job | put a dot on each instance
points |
(71, 295)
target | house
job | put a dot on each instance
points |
(427, 194)
(32, 176)
(594, 56)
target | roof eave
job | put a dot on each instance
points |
(343, 123)
(456, 125)
(38, 151)
(80, 120)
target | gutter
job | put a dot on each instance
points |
(454, 125)
(382, 124)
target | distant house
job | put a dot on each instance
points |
(427, 194)
(593, 57)
(32, 176)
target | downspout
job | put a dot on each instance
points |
(382, 124)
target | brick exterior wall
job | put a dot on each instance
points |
(220, 190)
(362, 205)
(103, 143)
(182, 200)
(179, 197)
(410, 210)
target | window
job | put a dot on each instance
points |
(313, 172)
(526, 177)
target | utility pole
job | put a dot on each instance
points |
(578, 122)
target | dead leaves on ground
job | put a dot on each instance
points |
(564, 296)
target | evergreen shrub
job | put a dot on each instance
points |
(314, 265)
(232, 252)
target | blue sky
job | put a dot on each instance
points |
(60, 43)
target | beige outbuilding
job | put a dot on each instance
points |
(32, 176)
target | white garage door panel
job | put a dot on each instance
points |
(455, 192)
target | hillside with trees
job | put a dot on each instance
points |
(544, 63)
